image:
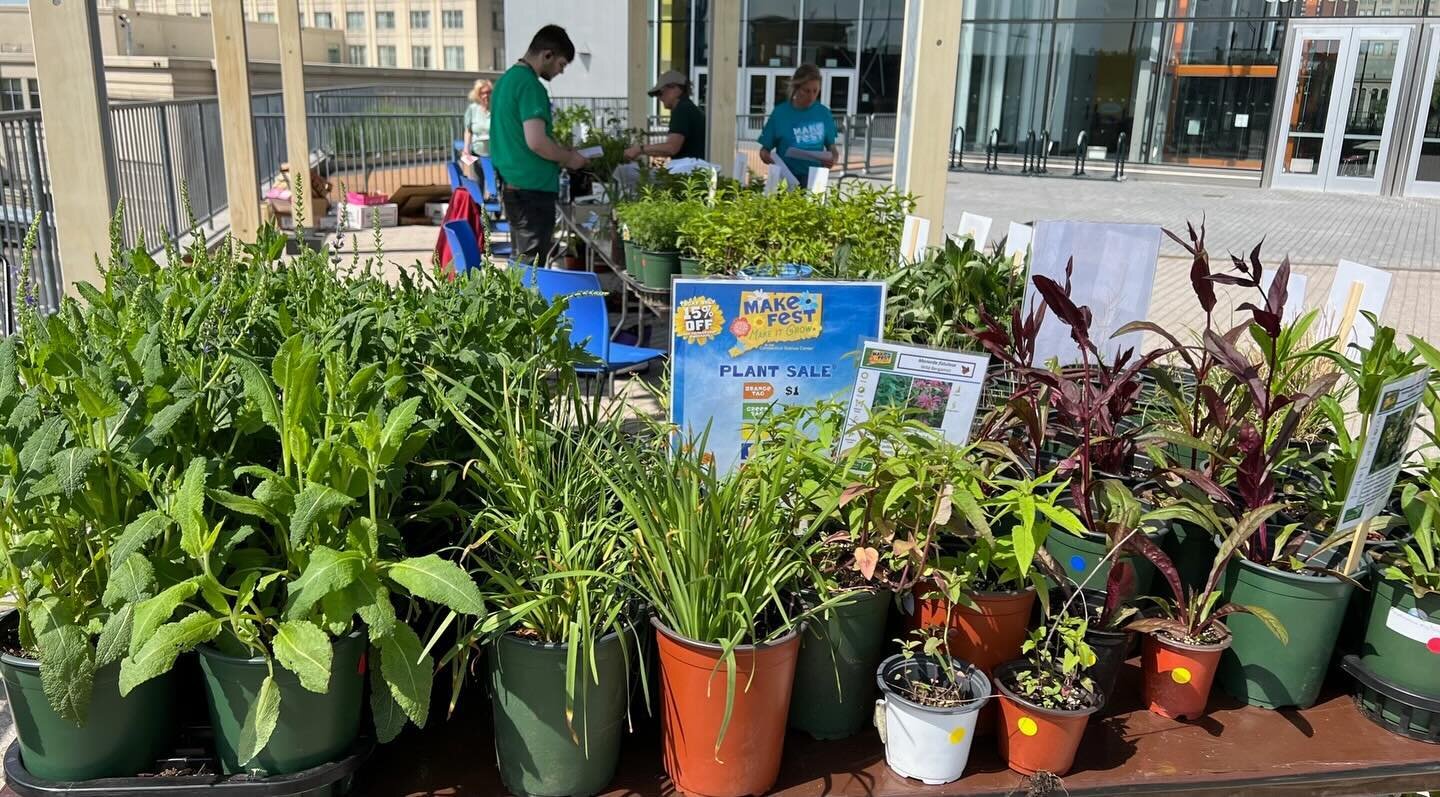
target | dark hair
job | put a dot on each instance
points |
(555, 39)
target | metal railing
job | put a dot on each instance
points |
(376, 152)
(866, 142)
(25, 197)
(169, 164)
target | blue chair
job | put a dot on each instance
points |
(464, 248)
(492, 184)
(456, 175)
(589, 321)
(473, 189)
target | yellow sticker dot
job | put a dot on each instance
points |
(957, 736)
(1027, 726)
(1180, 675)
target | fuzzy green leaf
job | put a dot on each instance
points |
(376, 609)
(258, 389)
(41, 444)
(131, 581)
(151, 613)
(397, 427)
(139, 533)
(189, 509)
(71, 466)
(328, 571)
(314, 502)
(302, 648)
(159, 650)
(114, 640)
(97, 401)
(260, 721)
(67, 663)
(407, 671)
(389, 718)
(160, 425)
(440, 581)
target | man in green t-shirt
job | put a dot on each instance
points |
(686, 138)
(522, 145)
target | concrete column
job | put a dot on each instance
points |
(292, 85)
(237, 131)
(638, 74)
(70, 68)
(724, 81)
(922, 137)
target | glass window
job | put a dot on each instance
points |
(1428, 170)
(1310, 113)
(357, 54)
(454, 57)
(1357, 8)
(323, 19)
(497, 19)
(831, 33)
(419, 57)
(355, 20)
(420, 20)
(12, 94)
(452, 19)
(1228, 8)
(1109, 9)
(34, 93)
(1375, 65)
(332, 54)
(673, 36)
(497, 58)
(265, 16)
(700, 32)
(1001, 88)
(1004, 9)
(883, 30)
(385, 55)
(384, 20)
(772, 33)
(1101, 85)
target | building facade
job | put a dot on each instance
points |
(456, 35)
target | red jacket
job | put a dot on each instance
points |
(462, 206)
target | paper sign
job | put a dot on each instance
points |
(1419, 629)
(819, 180)
(742, 346)
(913, 239)
(1294, 294)
(1114, 276)
(1192, 127)
(939, 388)
(975, 226)
(592, 152)
(1017, 241)
(741, 167)
(777, 176)
(1386, 439)
(1374, 289)
(1242, 120)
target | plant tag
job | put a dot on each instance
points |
(912, 240)
(1386, 437)
(1426, 632)
(975, 226)
(819, 180)
(941, 387)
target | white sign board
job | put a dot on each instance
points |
(777, 176)
(1374, 288)
(1114, 276)
(938, 388)
(819, 180)
(1387, 437)
(975, 226)
(913, 238)
(1294, 294)
(1017, 241)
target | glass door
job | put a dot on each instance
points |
(838, 90)
(1337, 112)
(763, 88)
(1424, 177)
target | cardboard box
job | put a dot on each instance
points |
(361, 217)
(435, 212)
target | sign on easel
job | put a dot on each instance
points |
(975, 226)
(1017, 241)
(939, 388)
(1358, 289)
(913, 239)
(1114, 276)
(819, 180)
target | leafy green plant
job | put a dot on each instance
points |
(1056, 658)
(655, 221)
(1417, 563)
(935, 300)
(568, 121)
(939, 681)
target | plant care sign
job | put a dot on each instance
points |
(742, 347)
(1386, 441)
(939, 388)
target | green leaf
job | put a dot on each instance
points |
(302, 648)
(9, 371)
(151, 613)
(160, 425)
(376, 609)
(314, 502)
(397, 427)
(389, 718)
(139, 533)
(407, 671)
(41, 444)
(188, 508)
(328, 571)
(258, 389)
(440, 581)
(260, 721)
(244, 504)
(97, 401)
(159, 649)
(71, 466)
(67, 663)
(115, 637)
(131, 581)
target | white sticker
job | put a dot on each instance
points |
(1426, 632)
(1242, 120)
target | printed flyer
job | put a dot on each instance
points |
(940, 388)
(1387, 438)
(741, 346)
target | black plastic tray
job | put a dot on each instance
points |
(327, 780)
(1413, 715)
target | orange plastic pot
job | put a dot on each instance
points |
(986, 636)
(692, 699)
(1178, 675)
(1035, 739)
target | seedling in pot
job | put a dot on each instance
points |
(948, 686)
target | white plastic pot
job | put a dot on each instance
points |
(931, 745)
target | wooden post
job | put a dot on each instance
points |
(292, 83)
(724, 85)
(237, 133)
(1347, 318)
(81, 152)
(638, 74)
(922, 137)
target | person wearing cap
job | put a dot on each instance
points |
(686, 138)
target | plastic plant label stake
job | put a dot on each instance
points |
(912, 240)
(819, 180)
(973, 225)
(740, 167)
(1017, 241)
(1386, 433)
(1375, 290)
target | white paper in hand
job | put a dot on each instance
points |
(592, 152)
(819, 179)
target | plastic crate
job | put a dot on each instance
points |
(1393, 708)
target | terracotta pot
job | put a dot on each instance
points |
(1178, 675)
(1035, 739)
(986, 636)
(692, 697)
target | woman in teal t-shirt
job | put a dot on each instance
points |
(800, 124)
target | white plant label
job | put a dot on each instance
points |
(975, 226)
(741, 166)
(819, 180)
(777, 176)
(913, 238)
(1386, 439)
(1374, 289)
(1017, 241)
(1114, 276)
(1424, 631)
(592, 152)
(939, 388)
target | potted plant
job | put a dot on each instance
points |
(928, 714)
(1046, 699)
(718, 565)
(561, 643)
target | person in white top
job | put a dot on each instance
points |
(477, 124)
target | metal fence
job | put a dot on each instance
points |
(166, 153)
(370, 152)
(866, 142)
(25, 197)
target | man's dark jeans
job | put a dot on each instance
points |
(532, 223)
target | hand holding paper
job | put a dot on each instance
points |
(823, 157)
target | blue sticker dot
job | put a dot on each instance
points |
(1077, 563)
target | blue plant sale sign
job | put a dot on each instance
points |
(742, 346)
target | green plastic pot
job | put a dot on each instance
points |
(1082, 559)
(121, 737)
(658, 268)
(1402, 638)
(533, 742)
(1192, 550)
(690, 267)
(1260, 669)
(633, 264)
(313, 729)
(834, 693)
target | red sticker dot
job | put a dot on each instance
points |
(1434, 645)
